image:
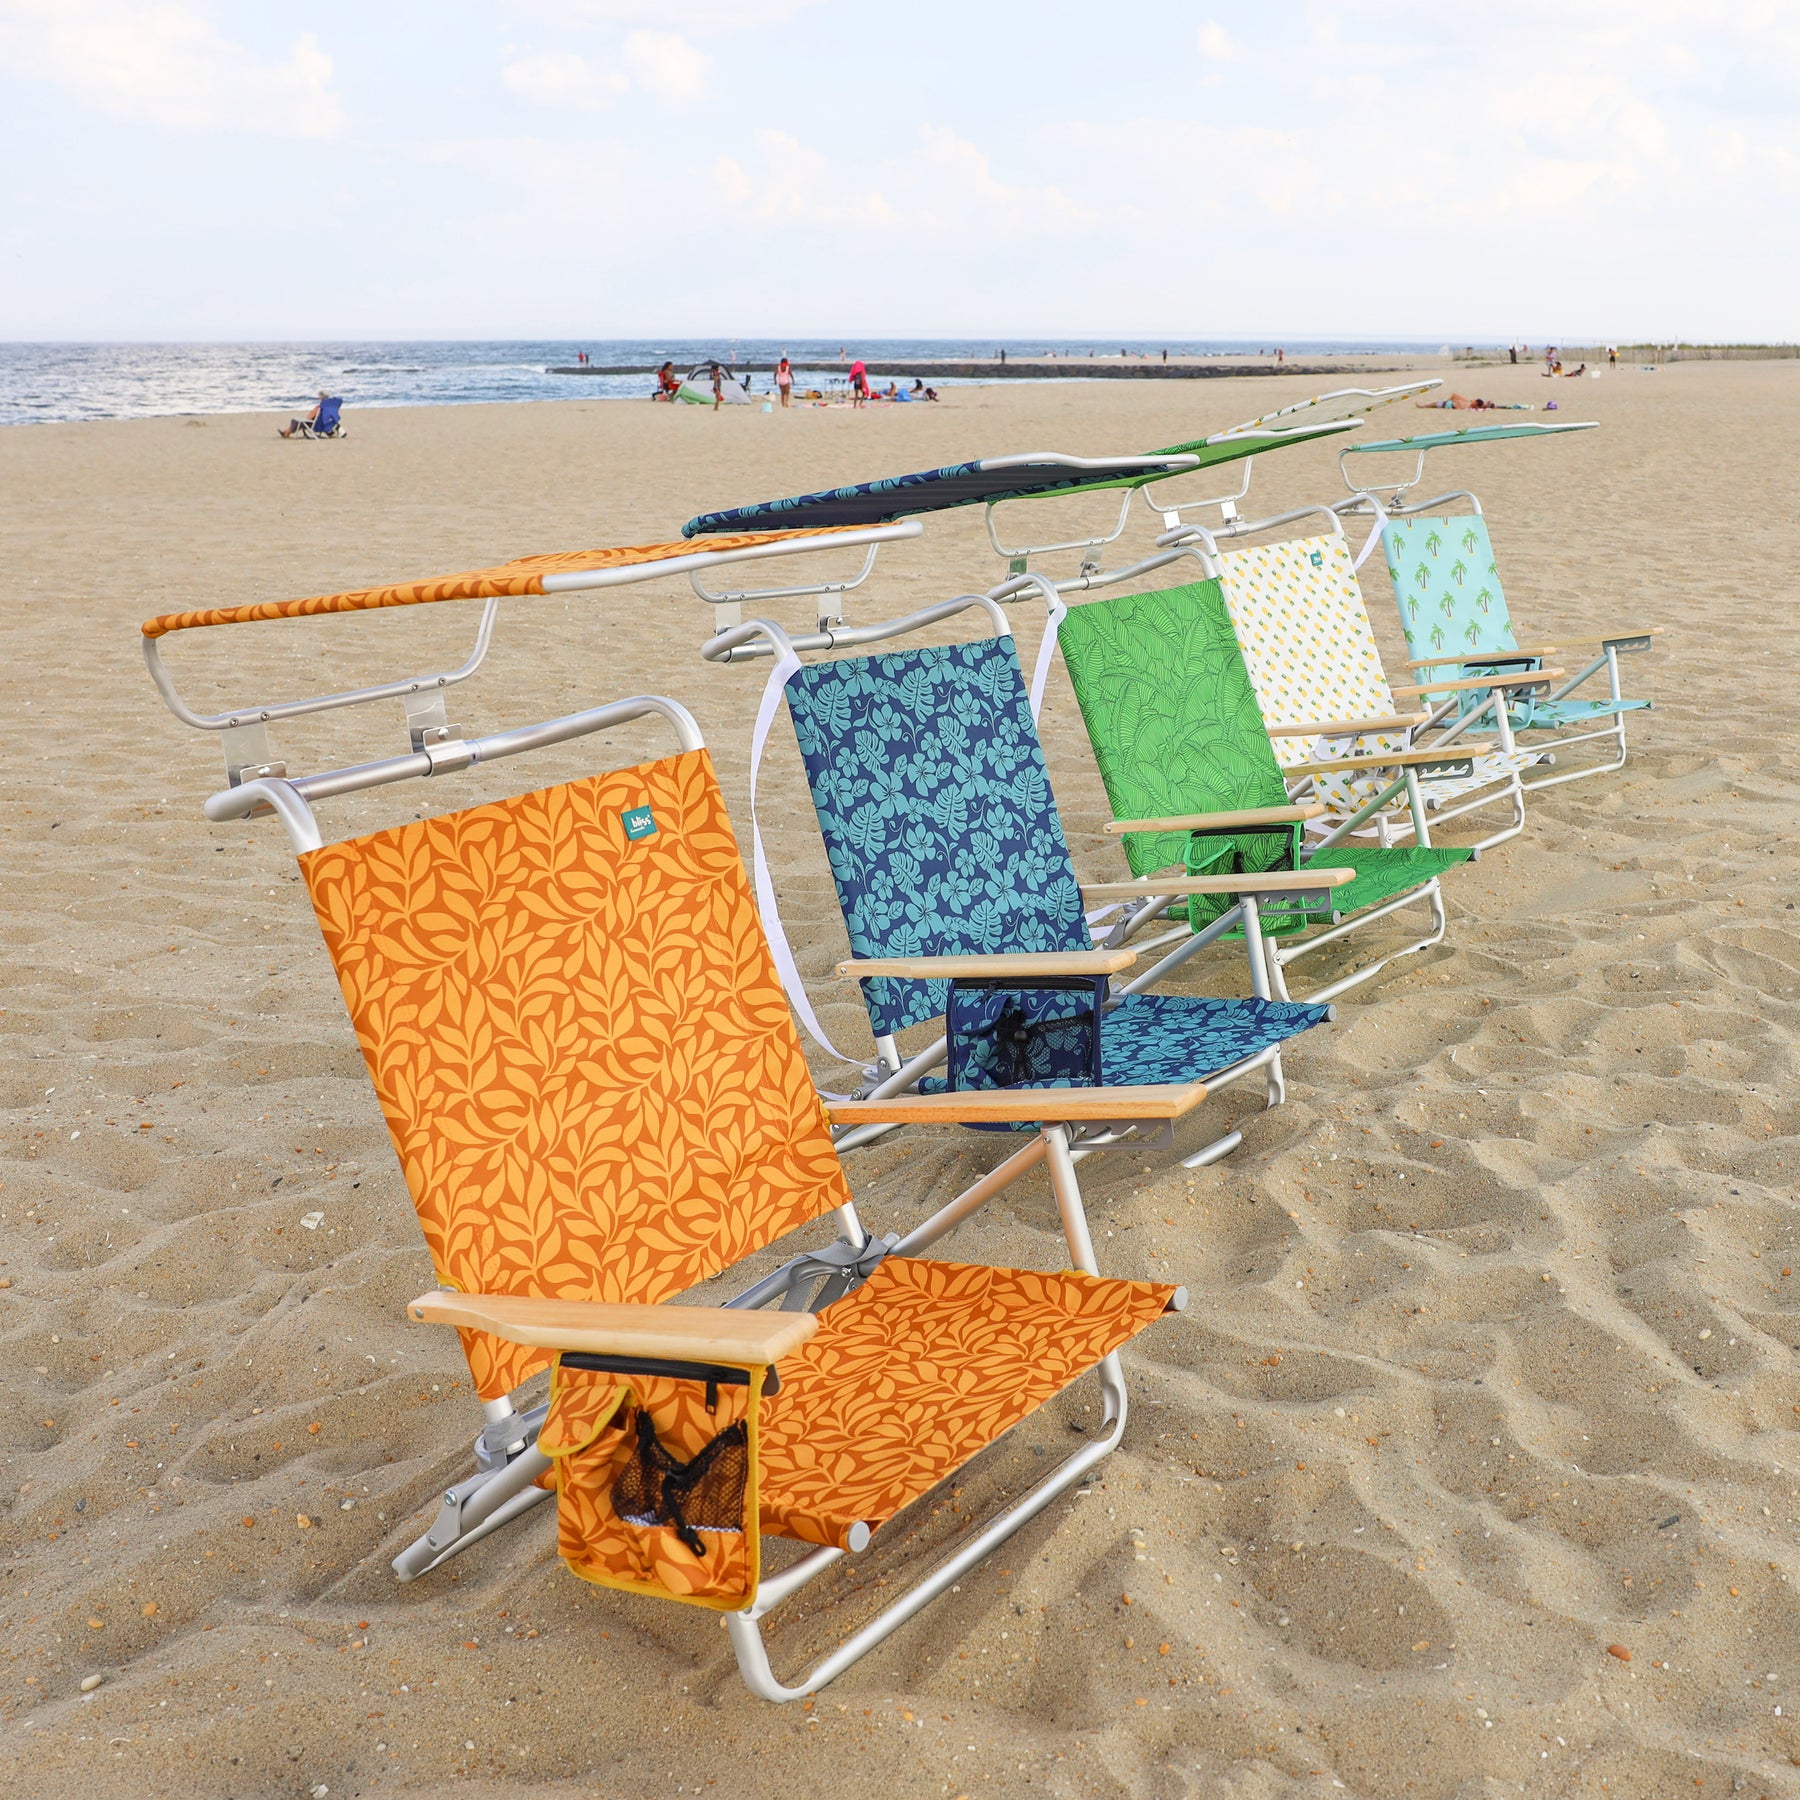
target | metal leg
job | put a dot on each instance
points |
(745, 1628)
(472, 1509)
(1067, 1188)
(1430, 894)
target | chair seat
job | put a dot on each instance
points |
(1148, 1039)
(1382, 873)
(924, 1365)
(1544, 715)
(1491, 767)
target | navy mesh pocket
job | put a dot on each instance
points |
(1040, 1032)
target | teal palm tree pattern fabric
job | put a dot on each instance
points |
(1448, 589)
(1173, 719)
(936, 810)
(1451, 604)
(944, 840)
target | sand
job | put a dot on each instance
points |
(1373, 1531)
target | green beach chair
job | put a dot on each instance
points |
(1337, 725)
(1453, 609)
(1194, 782)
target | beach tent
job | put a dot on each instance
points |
(1454, 613)
(588, 957)
(697, 389)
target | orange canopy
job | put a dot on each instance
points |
(523, 575)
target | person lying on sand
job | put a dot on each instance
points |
(1462, 403)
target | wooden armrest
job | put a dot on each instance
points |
(1002, 966)
(1453, 660)
(1350, 727)
(1524, 678)
(1224, 821)
(1005, 1106)
(675, 1333)
(1176, 887)
(1390, 759)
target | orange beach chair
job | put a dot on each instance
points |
(592, 1080)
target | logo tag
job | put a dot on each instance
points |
(639, 822)
(1317, 559)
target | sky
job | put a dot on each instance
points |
(1574, 170)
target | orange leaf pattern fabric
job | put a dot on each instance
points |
(913, 1373)
(523, 575)
(578, 1040)
(590, 1433)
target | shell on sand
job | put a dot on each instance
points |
(1491, 1362)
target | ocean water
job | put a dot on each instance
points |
(45, 382)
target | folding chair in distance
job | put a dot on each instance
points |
(1194, 781)
(948, 855)
(1336, 724)
(1454, 612)
(598, 1100)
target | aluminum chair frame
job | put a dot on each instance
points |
(1393, 500)
(508, 1461)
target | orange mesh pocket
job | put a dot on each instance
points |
(656, 1480)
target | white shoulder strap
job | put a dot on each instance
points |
(1375, 530)
(1054, 614)
(787, 666)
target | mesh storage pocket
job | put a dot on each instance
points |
(697, 1499)
(656, 1480)
(1040, 1033)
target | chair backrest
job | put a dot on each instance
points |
(579, 1041)
(1170, 711)
(937, 813)
(1310, 649)
(328, 414)
(1447, 587)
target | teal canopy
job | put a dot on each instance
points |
(1468, 434)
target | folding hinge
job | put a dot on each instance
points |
(503, 1439)
(248, 756)
(427, 720)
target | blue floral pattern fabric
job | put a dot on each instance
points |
(1148, 1039)
(936, 810)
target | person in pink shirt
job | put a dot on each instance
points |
(859, 382)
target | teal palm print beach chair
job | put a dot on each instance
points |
(1454, 613)
(962, 905)
(1194, 782)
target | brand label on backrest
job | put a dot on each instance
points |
(639, 822)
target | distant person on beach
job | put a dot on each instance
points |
(666, 384)
(921, 392)
(784, 380)
(718, 386)
(859, 383)
(304, 426)
(1462, 403)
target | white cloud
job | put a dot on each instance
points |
(679, 15)
(1215, 44)
(168, 64)
(667, 65)
(561, 78)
